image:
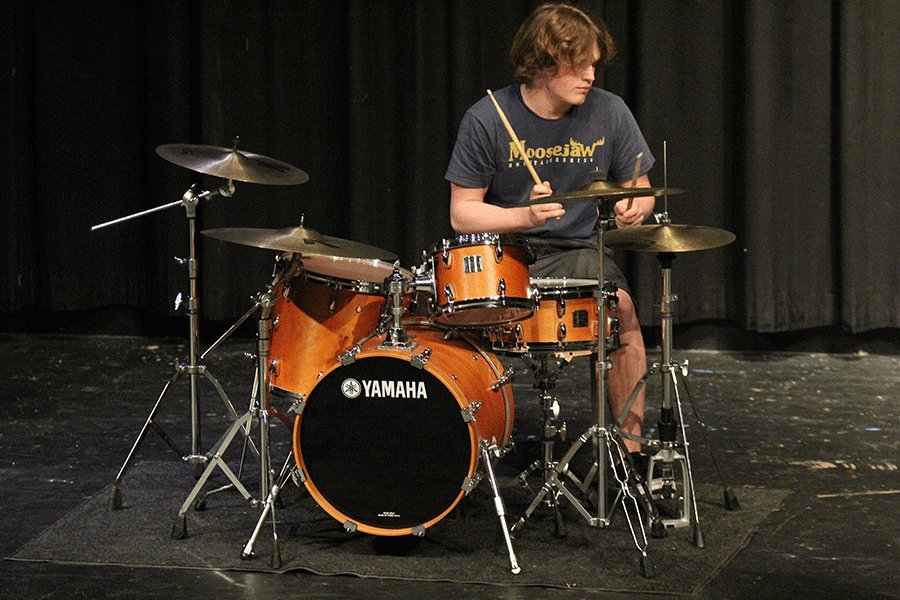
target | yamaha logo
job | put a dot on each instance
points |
(374, 388)
(351, 388)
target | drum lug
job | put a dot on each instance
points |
(519, 336)
(507, 377)
(418, 531)
(298, 406)
(561, 332)
(470, 483)
(349, 357)
(468, 413)
(498, 251)
(350, 526)
(298, 477)
(561, 308)
(449, 293)
(274, 367)
(501, 288)
(420, 360)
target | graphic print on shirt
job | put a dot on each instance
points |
(573, 152)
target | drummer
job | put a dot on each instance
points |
(569, 128)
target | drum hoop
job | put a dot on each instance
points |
(453, 308)
(578, 287)
(480, 239)
(351, 285)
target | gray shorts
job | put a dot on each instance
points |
(575, 263)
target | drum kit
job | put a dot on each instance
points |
(399, 408)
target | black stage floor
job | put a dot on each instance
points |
(823, 426)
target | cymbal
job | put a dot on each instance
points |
(604, 189)
(232, 164)
(299, 240)
(667, 238)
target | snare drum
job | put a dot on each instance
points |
(389, 440)
(566, 321)
(319, 317)
(480, 281)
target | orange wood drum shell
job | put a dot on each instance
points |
(396, 462)
(313, 324)
(468, 281)
(566, 320)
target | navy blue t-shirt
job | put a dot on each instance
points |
(600, 134)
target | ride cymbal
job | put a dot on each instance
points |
(667, 238)
(232, 164)
(299, 240)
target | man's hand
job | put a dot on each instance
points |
(540, 213)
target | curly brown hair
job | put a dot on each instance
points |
(554, 36)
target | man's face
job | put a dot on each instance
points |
(572, 84)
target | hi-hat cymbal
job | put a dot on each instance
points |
(667, 238)
(604, 189)
(232, 164)
(299, 240)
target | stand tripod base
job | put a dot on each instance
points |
(179, 529)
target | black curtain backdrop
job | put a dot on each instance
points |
(779, 118)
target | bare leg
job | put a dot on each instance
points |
(628, 366)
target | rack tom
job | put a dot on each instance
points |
(480, 280)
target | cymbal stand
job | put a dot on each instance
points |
(259, 407)
(288, 470)
(193, 369)
(605, 438)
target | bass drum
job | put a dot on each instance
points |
(387, 443)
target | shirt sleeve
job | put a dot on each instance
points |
(472, 163)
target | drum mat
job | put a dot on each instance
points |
(465, 547)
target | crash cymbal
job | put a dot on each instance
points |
(604, 189)
(232, 164)
(667, 238)
(299, 240)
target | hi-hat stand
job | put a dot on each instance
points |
(193, 369)
(670, 473)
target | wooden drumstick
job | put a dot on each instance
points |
(634, 177)
(516, 141)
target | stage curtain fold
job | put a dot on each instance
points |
(777, 118)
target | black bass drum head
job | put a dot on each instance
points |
(384, 445)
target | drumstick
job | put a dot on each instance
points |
(637, 170)
(516, 141)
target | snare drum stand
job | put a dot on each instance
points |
(194, 369)
(552, 488)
